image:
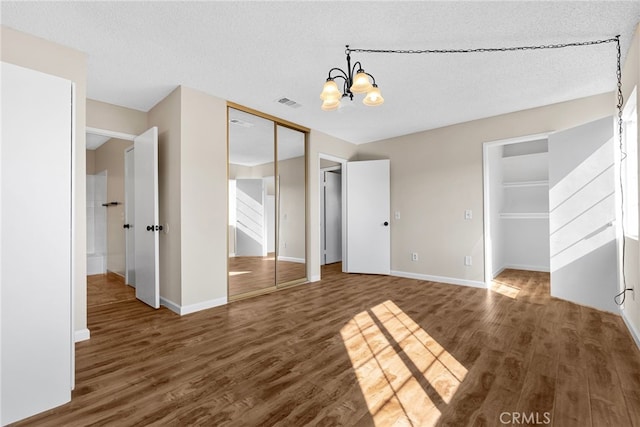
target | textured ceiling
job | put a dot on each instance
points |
(254, 53)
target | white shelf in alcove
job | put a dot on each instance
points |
(524, 215)
(542, 156)
(518, 184)
(526, 167)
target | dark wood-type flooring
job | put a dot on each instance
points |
(358, 350)
(249, 273)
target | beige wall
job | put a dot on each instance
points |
(437, 175)
(167, 115)
(110, 157)
(631, 310)
(41, 55)
(101, 115)
(203, 196)
(292, 208)
(91, 162)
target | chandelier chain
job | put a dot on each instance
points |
(620, 96)
(489, 49)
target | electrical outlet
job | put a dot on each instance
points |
(467, 260)
(414, 256)
(468, 214)
(397, 215)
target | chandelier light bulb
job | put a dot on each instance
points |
(331, 104)
(330, 91)
(361, 83)
(373, 98)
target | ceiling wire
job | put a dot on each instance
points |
(615, 39)
(620, 297)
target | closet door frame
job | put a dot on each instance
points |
(290, 125)
(486, 186)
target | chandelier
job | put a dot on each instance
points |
(355, 81)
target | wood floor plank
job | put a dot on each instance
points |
(537, 396)
(632, 399)
(353, 350)
(572, 407)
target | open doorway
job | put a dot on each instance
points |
(516, 187)
(330, 212)
(332, 197)
(132, 235)
(106, 217)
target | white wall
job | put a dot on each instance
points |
(631, 309)
(582, 182)
(36, 212)
(496, 192)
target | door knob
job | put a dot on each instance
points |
(149, 227)
(386, 223)
(126, 226)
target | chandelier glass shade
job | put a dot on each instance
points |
(354, 82)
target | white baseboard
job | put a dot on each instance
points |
(632, 329)
(497, 272)
(543, 268)
(192, 308)
(291, 259)
(315, 278)
(170, 305)
(81, 335)
(440, 279)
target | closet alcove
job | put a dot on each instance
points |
(519, 214)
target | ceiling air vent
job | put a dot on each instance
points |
(241, 123)
(289, 103)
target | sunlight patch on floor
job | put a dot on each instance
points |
(237, 273)
(505, 289)
(405, 376)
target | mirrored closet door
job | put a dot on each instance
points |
(267, 176)
(291, 259)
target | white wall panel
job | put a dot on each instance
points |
(36, 242)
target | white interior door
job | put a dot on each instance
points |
(146, 225)
(332, 217)
(368, 207)
(129, 214)
(36, 218)
(582, 213)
